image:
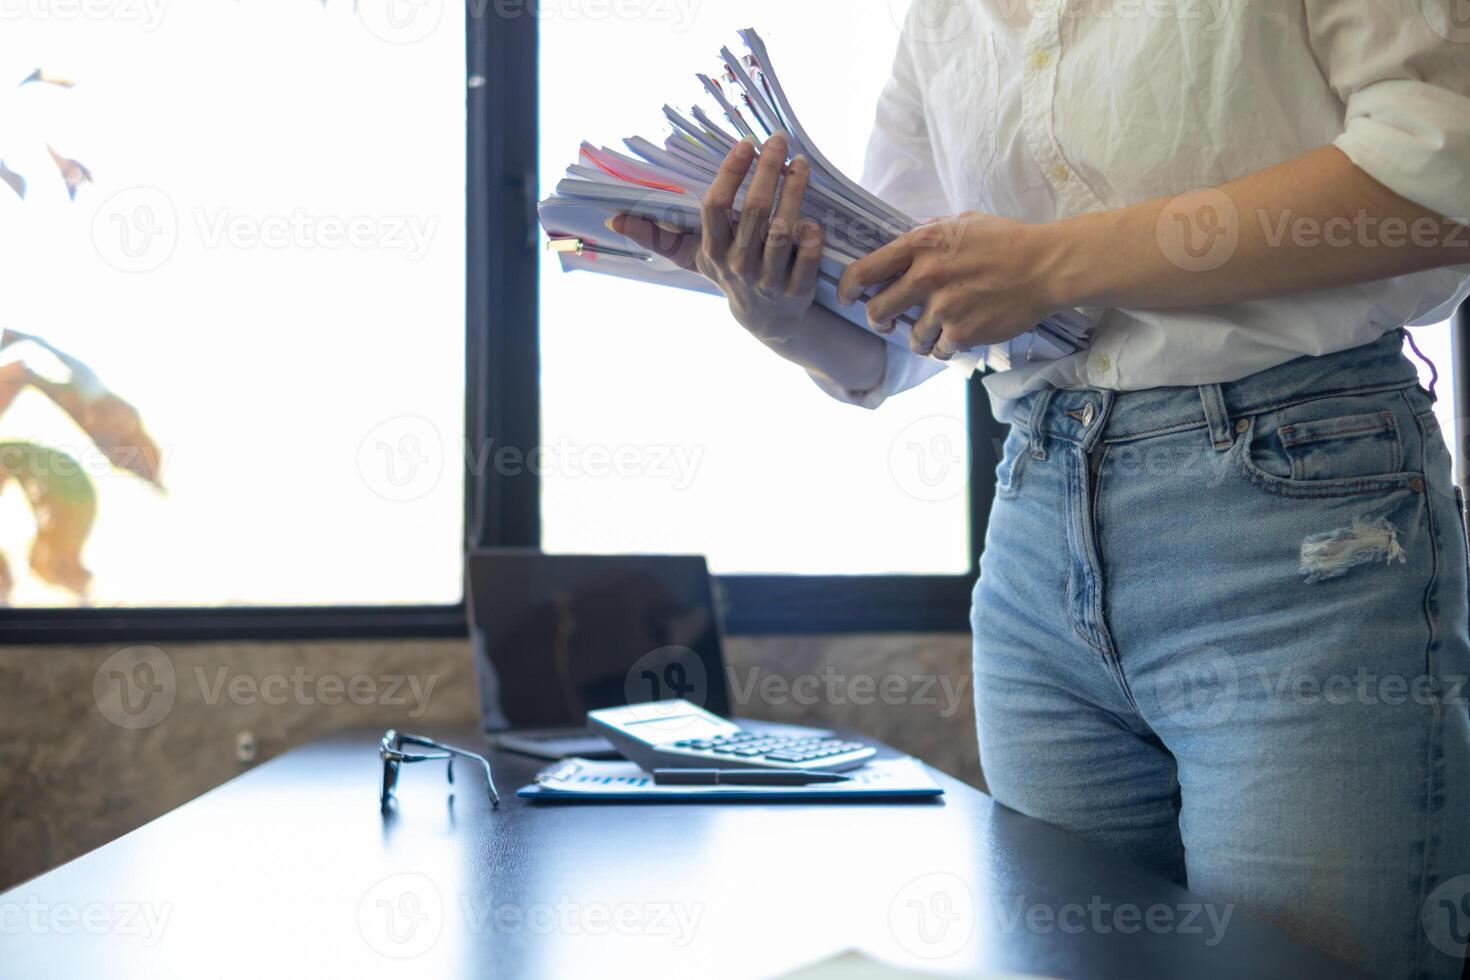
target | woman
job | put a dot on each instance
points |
(1221, 618)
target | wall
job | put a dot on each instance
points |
(74, 776)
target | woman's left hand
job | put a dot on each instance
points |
(980, 279)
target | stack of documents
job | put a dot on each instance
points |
(584, 781)
(666, 183)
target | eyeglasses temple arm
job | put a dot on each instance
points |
(489, 779)
(453, 751)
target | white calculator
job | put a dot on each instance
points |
(680, 735)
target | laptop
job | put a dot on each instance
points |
(559, 635)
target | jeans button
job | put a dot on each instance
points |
(1088, 414)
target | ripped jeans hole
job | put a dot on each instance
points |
(1333, 554)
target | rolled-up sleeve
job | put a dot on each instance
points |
(900, 169)
(1402, 68)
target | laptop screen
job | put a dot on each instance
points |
(557, 635)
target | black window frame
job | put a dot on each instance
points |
(503, 404)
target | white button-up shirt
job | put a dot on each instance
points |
(1044, 109)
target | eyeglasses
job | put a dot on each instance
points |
(393, 755)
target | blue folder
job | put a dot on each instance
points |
(586, 781)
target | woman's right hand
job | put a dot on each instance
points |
(767, 265)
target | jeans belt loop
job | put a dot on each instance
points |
(1222, 436)
(1037, 423)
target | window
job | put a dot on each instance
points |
(265, 257)
(667, 428)
(266, 227)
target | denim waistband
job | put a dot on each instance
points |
(1087, 416)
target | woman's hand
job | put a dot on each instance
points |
(980, 279)
(767, 265)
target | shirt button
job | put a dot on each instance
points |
(1041, 60)
(1061, 173)
(1102, 364)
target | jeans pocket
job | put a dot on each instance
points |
(1343, 447)
(1335, 446)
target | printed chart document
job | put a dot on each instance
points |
(666, 183)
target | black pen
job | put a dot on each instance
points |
(744, 777)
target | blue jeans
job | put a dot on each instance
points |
(1223, 631)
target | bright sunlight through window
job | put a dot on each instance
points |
(667, 428)
(233, 372)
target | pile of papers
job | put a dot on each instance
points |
(666, 183)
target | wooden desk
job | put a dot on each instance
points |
(290, 871)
